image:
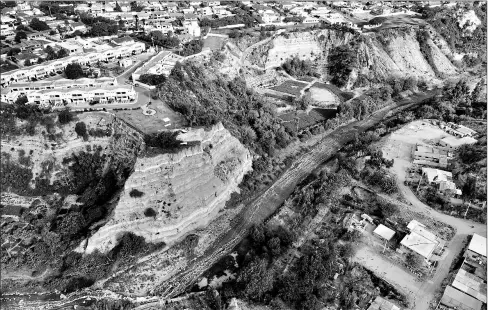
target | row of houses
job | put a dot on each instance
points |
(468, 289)
(75, 97)
(57, 66)
(11, 93)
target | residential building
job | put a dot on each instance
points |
(443, 180)
(190, 23)
(458, 130)
(458, 300)
(427, 155)
(421, 242)
(78, 26)
(384, 233)
(381, 303)
(11, 93)
(453, 143)
(83, 96)
(270, 16)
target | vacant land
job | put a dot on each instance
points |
(213, 42)
(153, 123)
(324, 96)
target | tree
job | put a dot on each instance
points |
(20, 36)
(27, 63)
(38, 25)
(413, 260)
(73, 71)
(469, 188)
(117, 7)
(62, 53)
(80, 129)
(65, 116)
(256, 279)
(341, 61)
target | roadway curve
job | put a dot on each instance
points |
(426, 292)
(266, 204)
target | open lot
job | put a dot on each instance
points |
(153, 123)
(324, 96)
(213, 42)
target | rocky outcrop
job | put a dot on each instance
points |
(181, 191)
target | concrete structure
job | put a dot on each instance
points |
(478, 245)
(190, 23)
(453, 143)
(421, 242)
(459, 300)
(426, 155)
(162, 63)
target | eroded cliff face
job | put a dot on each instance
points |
(380, 56)
(181, 191)
(397, 53)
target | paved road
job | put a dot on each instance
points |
(268, 202)
(425, 294)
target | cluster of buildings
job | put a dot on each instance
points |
(82, 51)
(72, 93)
(419, 241)
(468, 289)
(442, 180)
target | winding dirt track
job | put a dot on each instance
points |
(267, 203)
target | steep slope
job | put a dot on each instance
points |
(380, 55)
(184, 190)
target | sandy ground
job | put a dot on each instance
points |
(403, 280)
(323, 96)
(398, 146)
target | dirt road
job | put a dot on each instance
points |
(267, 203)
(463, 227)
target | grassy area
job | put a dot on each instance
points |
(154, 123)
(213, 43)
(306, 120)
(290, 87)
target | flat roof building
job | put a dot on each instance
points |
(459, 300)
(453, 142)
(384, 232)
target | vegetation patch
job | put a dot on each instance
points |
(134, 193)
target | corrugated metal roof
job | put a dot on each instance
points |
(455, 298)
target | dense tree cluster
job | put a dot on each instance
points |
(152, 79)
(192, 47)
(38, 25)
(341, 61)
(52, 54)
(240, 17)
(205, 101)
(299, 68)
(73, 71)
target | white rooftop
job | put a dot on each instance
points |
(384, 232)
(436, 175)
(419, 244)
(478, 244)
(455, 142)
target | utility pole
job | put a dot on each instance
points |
(421, 177)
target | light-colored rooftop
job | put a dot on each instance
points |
(419, 244)
(384, 232)
(470, 284)
(478, 244)
(455, 298)
(382, 304)
(455, 142)
(436, 174)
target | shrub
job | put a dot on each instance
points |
(80, 129)
(149, 212)
(134, 193)
(65, 116)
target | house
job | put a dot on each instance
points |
(126, 62)
(443, 180)
(459, 300)
(453, 143)
(381, 303)
(421, 242)
(458, 130)
(477, 245)
(311, 20)
(162, 63)
(123, 41)
(470, 284)
(214, 3)
(78, 26)
(270, 16)
(426, 155)
(190, 23)
(384, 233)
(74, 97)
(24, 57)
(72, 48)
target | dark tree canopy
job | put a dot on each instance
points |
(73, 71)
(38, 25)
(341, 61)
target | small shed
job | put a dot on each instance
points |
(384, 232)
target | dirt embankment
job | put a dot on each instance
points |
(177, 192)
